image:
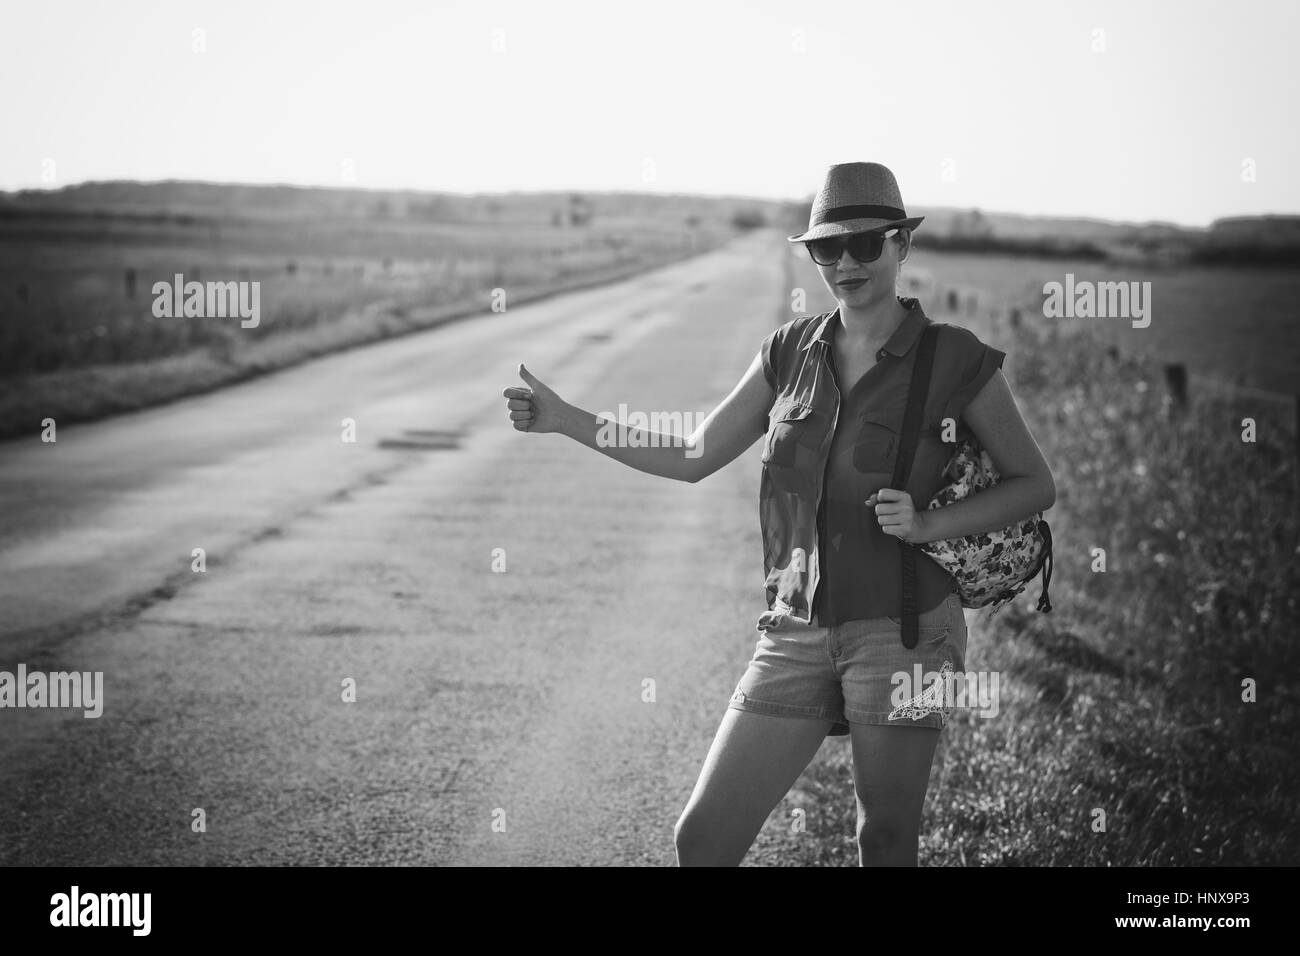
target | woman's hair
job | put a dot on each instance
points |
(899, 285)
(899, 239)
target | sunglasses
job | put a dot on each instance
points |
(863, 246)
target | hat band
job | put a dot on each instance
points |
(840, 213)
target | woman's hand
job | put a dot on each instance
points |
(535, 408)
(896, 516)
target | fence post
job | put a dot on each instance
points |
(1176, 379)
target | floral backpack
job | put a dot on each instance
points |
(990, 568)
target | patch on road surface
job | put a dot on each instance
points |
(424, 440)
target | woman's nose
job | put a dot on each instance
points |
(847, 263)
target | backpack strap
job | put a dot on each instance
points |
(917, 389)
(1045, 602)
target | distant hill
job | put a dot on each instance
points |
(205, 198)
(1013, 226)
(974, 230)
(225, 200)
(1262, 239)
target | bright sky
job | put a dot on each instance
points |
(1181, 110)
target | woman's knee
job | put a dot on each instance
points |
(685, 839)
(886, 840)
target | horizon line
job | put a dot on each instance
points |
(7, 191)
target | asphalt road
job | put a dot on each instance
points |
(482, 696)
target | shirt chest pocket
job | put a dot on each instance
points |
(789, 430)
(876, 447)
(879, 435)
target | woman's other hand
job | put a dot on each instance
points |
(896, 516)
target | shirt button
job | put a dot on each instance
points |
(880, 355)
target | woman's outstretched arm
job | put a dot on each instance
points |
(738, 421)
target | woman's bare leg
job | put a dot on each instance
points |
(891, 771)
(753, 762)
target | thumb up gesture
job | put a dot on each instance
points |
(533, 407)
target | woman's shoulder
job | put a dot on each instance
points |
(799, 329)
(956, 339)
(788, 340)
(957, 348)
(965, 363)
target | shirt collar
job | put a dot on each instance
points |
(900, 343)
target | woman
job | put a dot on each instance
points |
(827, 393)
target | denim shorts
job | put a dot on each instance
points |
(857, 672)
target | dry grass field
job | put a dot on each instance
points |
(79, 339)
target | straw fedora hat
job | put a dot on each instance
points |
(856, 197)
